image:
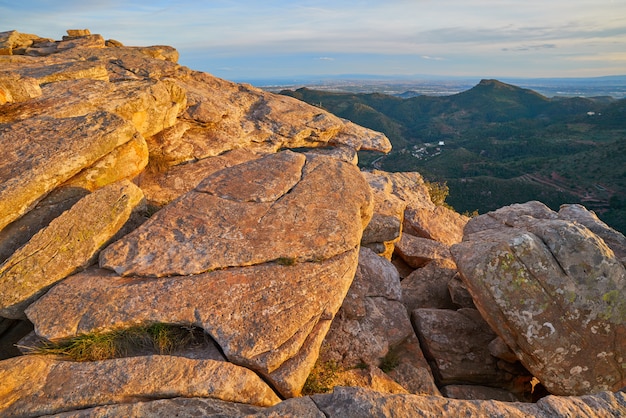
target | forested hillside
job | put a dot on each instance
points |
(498, 144)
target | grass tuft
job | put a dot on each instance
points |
(160, 338)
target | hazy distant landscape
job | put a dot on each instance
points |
(495, 143)
(408, 86)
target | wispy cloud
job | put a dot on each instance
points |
(476, 35)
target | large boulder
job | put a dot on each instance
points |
(554, 291)
(373, 329)
(42, 152)
(285, 207)
(457, 343)
(40, 385)
(271, 241)
(70, 243)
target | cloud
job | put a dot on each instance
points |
(428, 57)
(326, 59)
(530, 47)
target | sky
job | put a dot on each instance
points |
(246, 40)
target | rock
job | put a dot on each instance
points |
(284, 207)
(459, 294)
(223, 116)
(427, 287)
(457, 342)
(410, 369)
(477, 392)
(14, 88)
(124, 162)
(238, 307)
(371, 320)
(161, 185)
(358, 402)
(372, 378)
(199, 407)
(553, 291)
(614, 239)
(13, 41)
(499, 349)
(56, 150)
(438, 223)
(39, 385)
(70, 243)
(417, 252)
(20, 231)
(150, 106)
(386, 225)
(372, 328)
(407, 186)
(73, 33)
(63, 71)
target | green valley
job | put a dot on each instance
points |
(497, 144)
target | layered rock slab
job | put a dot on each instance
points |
(284, 206)
(69, 243)
(42, 152)
(37, 385)
(553, 291)
(260, 255)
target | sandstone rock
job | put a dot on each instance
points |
(41, 153)
(614, 239)
(386, 225)
(410, 369)
(149, 106)
(417, 252)
(45, 73)
(14, 88)
(372, 319)
(427, 287)
(359, 402)
(282, 207)
(509, 215)
(20, 231)
(124, 162)
(373, 328)
(222, 116)
(70, 243)
(554, 292)
(199, 407)
(407, 186)
(438, 223)
(238, 307)
(459, 294)
(13, 41)
(372, 378)
(457, 342)
(161, 185)
(477, 392)
(78, 32)
(38, 385)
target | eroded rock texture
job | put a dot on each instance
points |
(553, 290)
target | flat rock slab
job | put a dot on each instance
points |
(284, 207)
(267, 317)
(347, 402)
(554, 292)
(38, 385)
(40, 153)
(69, 243)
